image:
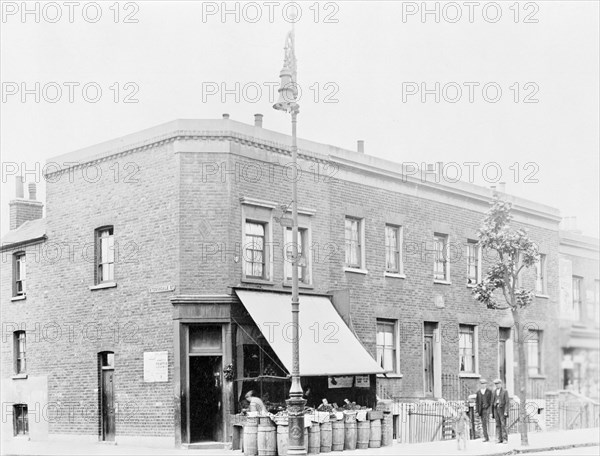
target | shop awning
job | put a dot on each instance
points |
(327, 346)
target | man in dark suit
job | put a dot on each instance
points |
(500, 406)
(483, 405)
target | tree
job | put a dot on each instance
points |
(500, 289)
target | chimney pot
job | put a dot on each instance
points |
(225, 116)
(19, 192)
(258, 120)
(360, 146)
(32, 191)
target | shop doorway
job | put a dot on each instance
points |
(206, 410)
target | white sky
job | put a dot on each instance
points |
(170, 54)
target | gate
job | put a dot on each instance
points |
(429, 422)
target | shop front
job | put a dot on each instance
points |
(229, 345)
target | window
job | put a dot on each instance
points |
(354, 244)
(576, 307)
(393, 257)
(254, 251)
(473, 262)
(20, 419)
(440, 265)
(105, 255)
(466, 349)
(534, 352)
(540, 275)
(19, 274)
(386, 345)
(19, 350)
(303, 275)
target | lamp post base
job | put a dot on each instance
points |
(295, 408)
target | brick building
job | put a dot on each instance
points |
(579, 312)
(159, 252)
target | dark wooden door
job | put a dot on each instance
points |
(108, 405)
(428, 364)
(504, 334)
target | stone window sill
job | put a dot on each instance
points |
(257, 281)
(545, 296)
(390, 375)
(442, 282)
(469, 375)
(300, 285)
(537, 377)
(18, 298)
(394, 275)
(101, 286)
(356, 270)
(19, 377)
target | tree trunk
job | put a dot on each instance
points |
(522, 376)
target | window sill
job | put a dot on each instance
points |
(545, 296)
(19, 377)
(390, 375)
(469, 375)
(300, 284)
(471, 285)
(356, 270)
(442, 282)
(18, 298)
(394, 275)
(101, 286)
(537, 377)
(257, 281)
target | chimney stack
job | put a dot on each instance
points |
(225, 116)
(24, 210)
(360, 146)
(258, 119)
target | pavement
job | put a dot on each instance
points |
(580, 441)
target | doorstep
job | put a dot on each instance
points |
(204, 446)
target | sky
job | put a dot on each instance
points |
(498, 91)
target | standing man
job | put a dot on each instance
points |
(500, 409)
(483, 405)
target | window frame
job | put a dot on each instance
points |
(23, 416)
(397, 249)
(538, 339)
(445, 249)
(473, 331)
(99, 259)
(263, 251)
(20, 352)
(19, 274)
(541, 281)
(359, 266)
(471, 243)
(396, 344)
(304, 272)
(577, 304)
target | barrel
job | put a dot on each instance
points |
(314, 439)
(350, 431)
(251, 437)
(386, 429)
(267, 437)
(306, 439)
(362, 432)
(337, 435)
(375, 434)
(326, 437)
(283, 439)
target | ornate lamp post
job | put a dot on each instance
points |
(288, 94)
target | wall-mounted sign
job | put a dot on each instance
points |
(161, 288)
(156, 367)
(362, 381)
(340, 382)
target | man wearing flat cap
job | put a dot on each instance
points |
(483, 405)
(500, 406)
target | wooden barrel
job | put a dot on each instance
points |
(337, 435)
(386, 429)
(266, 437)
(375, 434)
(362, 435)
(350, 431)
(326, 429)
(306, 439)
(283, 439)
(314, 439)
(251, 437)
